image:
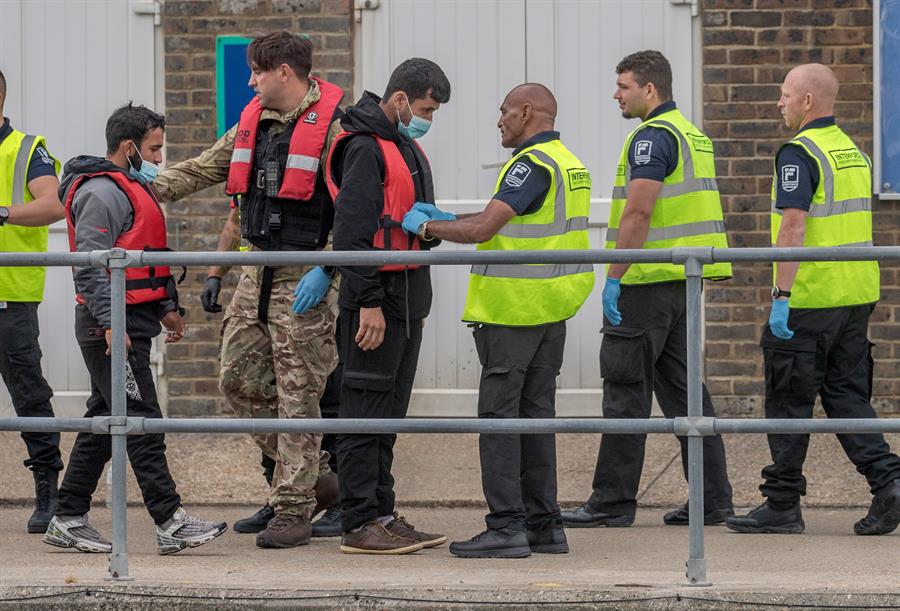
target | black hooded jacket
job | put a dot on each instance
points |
(358, 169)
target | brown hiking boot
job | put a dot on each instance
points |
(326, 492)
(374, 538)
(399, 526)
(285, 530)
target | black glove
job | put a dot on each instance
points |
(210, 295)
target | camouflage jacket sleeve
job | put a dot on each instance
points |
(192, 175)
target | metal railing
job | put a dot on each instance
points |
(694, 426)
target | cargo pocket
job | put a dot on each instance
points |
(622, 355)
(365, 380)
(790, 365)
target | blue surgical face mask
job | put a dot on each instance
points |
(148, 171)
(417, 127)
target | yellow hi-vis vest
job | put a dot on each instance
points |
(20, 283)
(688, 211)
(529, 295)
(840, 215)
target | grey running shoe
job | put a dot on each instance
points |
(78, 533)
(182, 531)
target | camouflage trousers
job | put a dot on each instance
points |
(278, 370)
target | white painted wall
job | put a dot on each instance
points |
(68, 64)
(486, 47)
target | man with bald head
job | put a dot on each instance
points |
(518, 314)
(816, 342)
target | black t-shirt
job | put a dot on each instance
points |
(796, 172)
(41, 164)
(653, 153)
(525, 184)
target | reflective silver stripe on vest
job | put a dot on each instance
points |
(302, 162)
(532, 272)
(20, 170)
(851, 244)
(845, 206)
(675, 231)
(241, 155)
(560, 225)
(684, 187)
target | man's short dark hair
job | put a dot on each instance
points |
(270, 51)
(2, 85)
(649, 67)
(131, 122)
(417, 77)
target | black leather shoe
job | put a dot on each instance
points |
(765, 519)
(884, 512)
(548, 540)
(679, 517)
(255, 523)
(329, 525)
(587, 517)
(498, 543)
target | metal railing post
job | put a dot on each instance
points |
(696, 563)
(118, 559)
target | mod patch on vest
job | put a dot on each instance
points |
(701, 142)
(517, 175)
(579, 178)
(847, 158)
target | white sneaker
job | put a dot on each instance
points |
(182, 531)
(78, 533)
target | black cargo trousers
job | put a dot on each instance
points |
(647, 353)
(20, 368)
(519, 366)
(830, 356)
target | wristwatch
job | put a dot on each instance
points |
(777, 292)
(423, 232)
(4, 215)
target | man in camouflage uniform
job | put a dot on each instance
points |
(280, 323)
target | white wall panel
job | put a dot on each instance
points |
(83, 59)
(486, 47)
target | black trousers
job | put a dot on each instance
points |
(647, 353)
(20, 368)
(376, 384)
(147, 453)
(829, 356)
(518, 380)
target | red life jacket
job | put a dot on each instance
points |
(147, 232)
(305, 148)
(399, 197)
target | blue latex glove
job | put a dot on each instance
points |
(778, 318)
(611, 292)
(434, 213)
(311, 290)
(412, 220)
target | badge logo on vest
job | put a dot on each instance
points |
(790, 177)
(701, 142)
(847, 158)
(517, 175)
(579, 178)
(642, 150)
(311, 117)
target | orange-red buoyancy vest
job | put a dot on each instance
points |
(147, 232)
(399, 197)
(304, 150)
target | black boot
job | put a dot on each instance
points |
(884, 513)
(767, 519)
(45, 502)
(329, 525)
(493, 543)
(259, 520)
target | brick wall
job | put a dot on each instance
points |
(190, 28)
(748, 47)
